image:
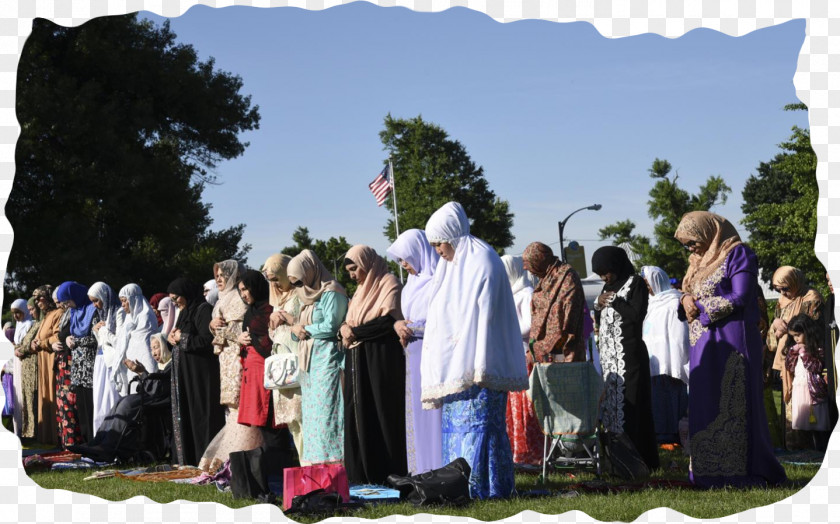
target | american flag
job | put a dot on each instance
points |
(381, 186)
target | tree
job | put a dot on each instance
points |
(121, 128)
(780, 208)
(667, 205)
(331, 252)
(430, 170)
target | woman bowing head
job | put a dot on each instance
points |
(472, 352)
(374, 406)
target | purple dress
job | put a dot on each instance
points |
(730, 440)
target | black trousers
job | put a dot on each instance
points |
(84, 410)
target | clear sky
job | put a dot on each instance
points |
(559, 116)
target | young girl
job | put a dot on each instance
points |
(809, 391)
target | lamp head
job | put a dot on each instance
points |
(595, 207)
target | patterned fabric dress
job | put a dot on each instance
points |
(287, 402)
(65, 400)
(233, 436)
(28, 382)
(323, 405)
(473, 424)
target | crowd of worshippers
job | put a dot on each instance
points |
(403, 379)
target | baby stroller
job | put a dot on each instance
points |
(138, 428)
(566, 398)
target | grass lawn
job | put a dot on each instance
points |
(623, 506)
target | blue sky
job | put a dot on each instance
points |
(559, 116)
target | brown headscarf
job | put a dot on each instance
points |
(556, 305)
(309, 269)
(712, 232)
(794, 279)
(275, 268)
(379, 294)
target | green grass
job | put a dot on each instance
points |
(625, 506)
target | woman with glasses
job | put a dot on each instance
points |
(226, 327)
(797, 297)
(197, 415)
(730, 440)
(620, 312)
(324, 303)
(47, 430)
(287, 307)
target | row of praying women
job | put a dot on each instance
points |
(405, 379)
(73, 345)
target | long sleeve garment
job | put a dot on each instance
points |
(374, 409)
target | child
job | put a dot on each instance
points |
(809, 392)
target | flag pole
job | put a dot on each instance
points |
(396, 218)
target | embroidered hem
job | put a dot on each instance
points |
(720, 450)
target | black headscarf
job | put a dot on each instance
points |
(256, 316)
(255, 282)
(613, 259)
(194, 295)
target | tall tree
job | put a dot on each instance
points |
(331, 252)
(780, 208)
(121, 128)
(431, 170)
(667, 204)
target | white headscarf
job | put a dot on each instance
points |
(520, 284)
(22, 327)
(413, 247)
(665, 335)
(212, 292)
(112, 312)
(133, 337)
(472, 330)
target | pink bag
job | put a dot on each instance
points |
(332, 478)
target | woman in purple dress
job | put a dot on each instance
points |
(730, 440)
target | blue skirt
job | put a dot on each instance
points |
(473, 425)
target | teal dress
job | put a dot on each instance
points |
(322, 405)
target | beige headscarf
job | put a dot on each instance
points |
(709, 231)
(379, 294)
(794, 279)
(275, 267)
(307, 268)
(316, 278)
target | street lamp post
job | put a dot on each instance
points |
(562, 225)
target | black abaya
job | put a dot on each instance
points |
(635, 399)
(198, 415)
(374, 404)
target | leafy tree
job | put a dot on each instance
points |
(431, 170)
(622, 232)
(780, 208)
(331, 252)
(667, 204)
(121, 128)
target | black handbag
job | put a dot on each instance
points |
(319, 502)
(447, 485)
(253, 471)
(620, 458)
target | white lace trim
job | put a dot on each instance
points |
(612, 363)
(433, 396)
